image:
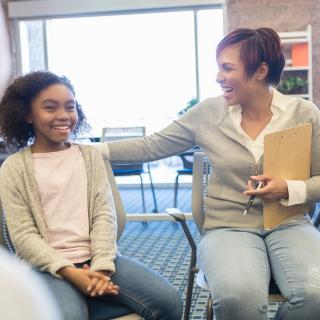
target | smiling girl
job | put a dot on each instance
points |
(236, 254)
(59, 207)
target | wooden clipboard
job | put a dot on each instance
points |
(287, 155)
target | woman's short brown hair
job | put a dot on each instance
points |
(257, 46)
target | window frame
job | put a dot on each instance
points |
(50, 9)
(40, 9)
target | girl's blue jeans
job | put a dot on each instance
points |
(142, 290)
(238, 263)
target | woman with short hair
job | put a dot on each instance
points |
(236, 254)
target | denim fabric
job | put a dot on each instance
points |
(142, 290)
(238, 263)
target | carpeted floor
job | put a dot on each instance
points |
(132, 200)
(162, 245)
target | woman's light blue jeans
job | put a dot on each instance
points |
(237, 264)
(143, 290)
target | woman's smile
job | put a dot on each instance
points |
(227, 92)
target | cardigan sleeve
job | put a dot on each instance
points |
(103, 232)
(29, 244)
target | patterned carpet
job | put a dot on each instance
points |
(162, 245)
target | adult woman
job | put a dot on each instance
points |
(235, 253)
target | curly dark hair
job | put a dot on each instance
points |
(15, 105)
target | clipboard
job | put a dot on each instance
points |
(287, 155)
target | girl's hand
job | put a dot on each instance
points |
(273, 188)
(99, 287)
(82, 278)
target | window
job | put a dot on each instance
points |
(130, 69)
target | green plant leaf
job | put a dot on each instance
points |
(292, 85)
(189, 105)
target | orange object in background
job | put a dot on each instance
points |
(300, 55)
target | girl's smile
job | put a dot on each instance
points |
(53, 117)
(62, 128)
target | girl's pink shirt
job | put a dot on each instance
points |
(62, 184)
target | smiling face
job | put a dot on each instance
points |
(53, 117)
(237, 87)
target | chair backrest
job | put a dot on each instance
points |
(121, 214)
(187, 158)
(201, 172)
(119, 133)
(2, 236)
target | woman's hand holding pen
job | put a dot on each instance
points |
(272, 189)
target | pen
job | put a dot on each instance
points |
(251, 199)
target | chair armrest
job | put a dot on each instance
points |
(176, 214)
(181, 218)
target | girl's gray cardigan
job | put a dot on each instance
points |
(21, 203)
(209, 126)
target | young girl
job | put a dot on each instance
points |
(59, 207)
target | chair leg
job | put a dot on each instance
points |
(187, 307)
(209, 309)
(192, 269)
(155, 210)
(176, 187)
(142, 194)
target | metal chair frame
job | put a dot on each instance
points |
(201, 171)
(119, 133)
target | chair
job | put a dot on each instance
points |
(5, 150)
(201, 171)
(107, 310)
(112, 134)
(187, 162)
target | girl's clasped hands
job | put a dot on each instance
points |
(91, 283)
(101, 285)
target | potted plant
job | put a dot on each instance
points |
(189, 105)
(293, 85)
